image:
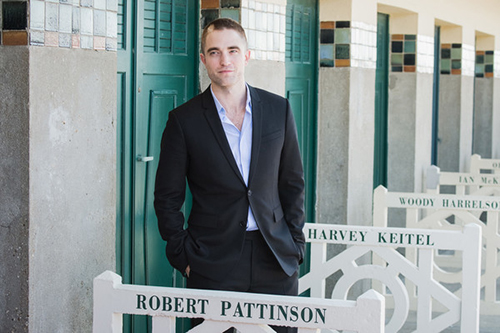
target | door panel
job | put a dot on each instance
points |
(298, 95)
(157, 71)
(301, 91)
(161, 101)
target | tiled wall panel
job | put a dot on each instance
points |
(403, 50)
(348, 44)
(485, 61)
(90, 24)
(264, 24)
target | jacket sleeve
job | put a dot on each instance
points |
(291, 183)
(170, 192)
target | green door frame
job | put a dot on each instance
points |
(381, 101)
(435, 96)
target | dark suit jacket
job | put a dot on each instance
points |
(194, 146)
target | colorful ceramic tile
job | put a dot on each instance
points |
(14, 16)
(456, 64)
(342, 63)
(327, 25)
(409, 59)
(65, 40)
(327, 36)
(489, 58)
(445, 53)
(51, 39)
(326, 51)
(396, 59)
(342, 24)
(37, 38)
(15, 38)
(397, 47)
(208, 15)
(75, 41)
(230, 3)
(342, 51)
(410, 37)
(456, 53)
(409, 47)
(445, 65)
(479, 69)
(479, 59)
(326, 63)
(209, 4)
(343, 36)
(231, 13)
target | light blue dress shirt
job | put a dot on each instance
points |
(241, 144)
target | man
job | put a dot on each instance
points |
(237, 147)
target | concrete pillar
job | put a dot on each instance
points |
(346, 116)
(346, 112)
(410, 102)
(58, 166)
(14, 188)
(456, 79)
(484, 96)
(72, 189)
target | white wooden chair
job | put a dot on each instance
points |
(247, 312)
(464, 183)
(450, 212)
(480, 165)
(392, 269)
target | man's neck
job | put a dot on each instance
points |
(233, 97)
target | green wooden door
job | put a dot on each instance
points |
(381, 102)
(301, 86)
(301, 91)
(157, 71)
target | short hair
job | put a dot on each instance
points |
(221, 24)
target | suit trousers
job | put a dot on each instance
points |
(257, 271)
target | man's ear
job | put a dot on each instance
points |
(247, 56)
(202, 58)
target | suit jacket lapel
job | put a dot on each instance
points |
(214, 121)
(256, 131)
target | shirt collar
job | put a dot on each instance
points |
(220, 108)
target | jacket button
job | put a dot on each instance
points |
(249, 193)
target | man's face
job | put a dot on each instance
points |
(225, 57)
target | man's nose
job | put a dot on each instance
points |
(224, 59)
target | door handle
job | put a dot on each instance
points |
(141, 158)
